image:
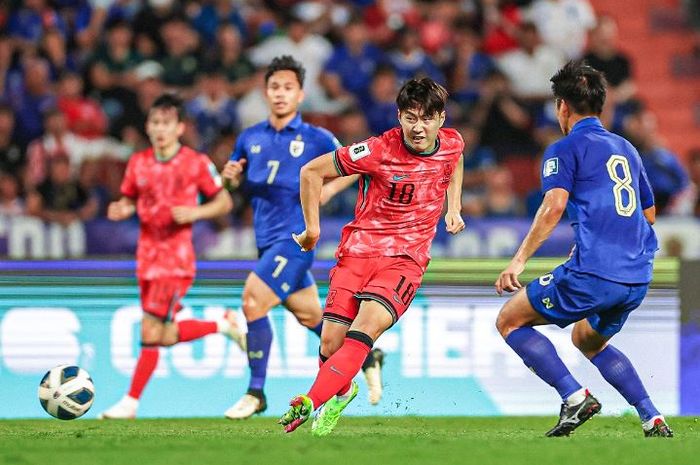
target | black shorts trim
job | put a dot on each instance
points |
(335, 318)
(382, 300)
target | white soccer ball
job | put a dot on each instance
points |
(66, 392)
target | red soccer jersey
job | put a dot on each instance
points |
(165, 248)
(401, 194)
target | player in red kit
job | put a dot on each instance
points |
(162, 185)
(405, 175)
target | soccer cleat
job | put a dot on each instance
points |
(573, 416)
(329, 414)
(234, 332)
(251, 403)
(373, 376)
(300, 409)
(123, 410)
(657, 428)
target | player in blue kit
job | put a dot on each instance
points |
(601, 177)
(271, 155)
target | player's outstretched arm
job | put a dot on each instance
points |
(546, 219)
(311, 184)
(121, 209)
(330, 189)
(218, 205)
(453, 218)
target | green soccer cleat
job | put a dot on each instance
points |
(300, 410)
(328, 416)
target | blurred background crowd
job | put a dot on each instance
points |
(77, 77)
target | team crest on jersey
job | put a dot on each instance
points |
(296, 147)
(446, 173)
(358, 151)
(551, 166)
(255, 149)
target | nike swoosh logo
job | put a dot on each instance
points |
(399, 177)
(335, 370)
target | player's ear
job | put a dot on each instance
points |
(398, 115)
(301, 97)
(442, 118)
(180, 128)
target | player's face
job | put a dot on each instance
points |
(284, 93)
(164, 128)
(420, 130)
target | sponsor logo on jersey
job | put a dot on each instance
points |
(296, 148)
(255, 149)
(551, 166)
(358, 151)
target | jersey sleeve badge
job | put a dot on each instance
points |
(358, 151)
(551, 166)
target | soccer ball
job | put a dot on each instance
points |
(66, 392)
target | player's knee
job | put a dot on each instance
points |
(170, 336)
(252, 308)
(151, 332)
(587, 344)
(330, 344)
(504, 325)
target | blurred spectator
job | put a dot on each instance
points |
(504, 122)
(470, 66)
(211, 109)
(479, 164)
(694, 170)
(501, 19)
(563, 24)
(353, 126)
(148, 24)
(83, 115)
(116, 54)
(11, 202)
(208, 18)
(32, 20)
(530, 67)
(89, 180)
(669, 179)
(312, 50)
(385, 17)
(604, 55)
(353, 62)
(380, 107)
(252, 106)
(499, 199)
(12, 157)
(60, 198)
(409, 60)
(30, 98)
(227, 55)
(54, 48)
(181, 63)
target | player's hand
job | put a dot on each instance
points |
(454, 222)
(185, 215)
(307, 239)
(233, 169)
(119, 210)
(508, 280)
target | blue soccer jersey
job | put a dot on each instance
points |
(274, 160)
(608, 191)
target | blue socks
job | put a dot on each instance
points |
(540, 356)
(259, 341)
(619, 372)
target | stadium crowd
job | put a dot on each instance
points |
(78, 76)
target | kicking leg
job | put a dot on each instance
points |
(618, 371)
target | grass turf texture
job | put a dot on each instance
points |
(369, 440)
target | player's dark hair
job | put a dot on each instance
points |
(581, 86)
(286, 63)
(423, 93)
(170, 101)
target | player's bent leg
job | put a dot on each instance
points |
(619, 372)
(152, 330)
(258, 299)
(190, 330)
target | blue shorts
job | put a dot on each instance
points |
(564, 296)
(285, 268)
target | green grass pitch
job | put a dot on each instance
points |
(356, 441)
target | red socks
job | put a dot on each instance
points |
(337, 372)
(144, 369)
(189, 330)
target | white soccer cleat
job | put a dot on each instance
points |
(232, 329)
(246, 407)
(122, 410)
(373, 377)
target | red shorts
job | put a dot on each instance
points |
(391, 281)
(161, 297)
